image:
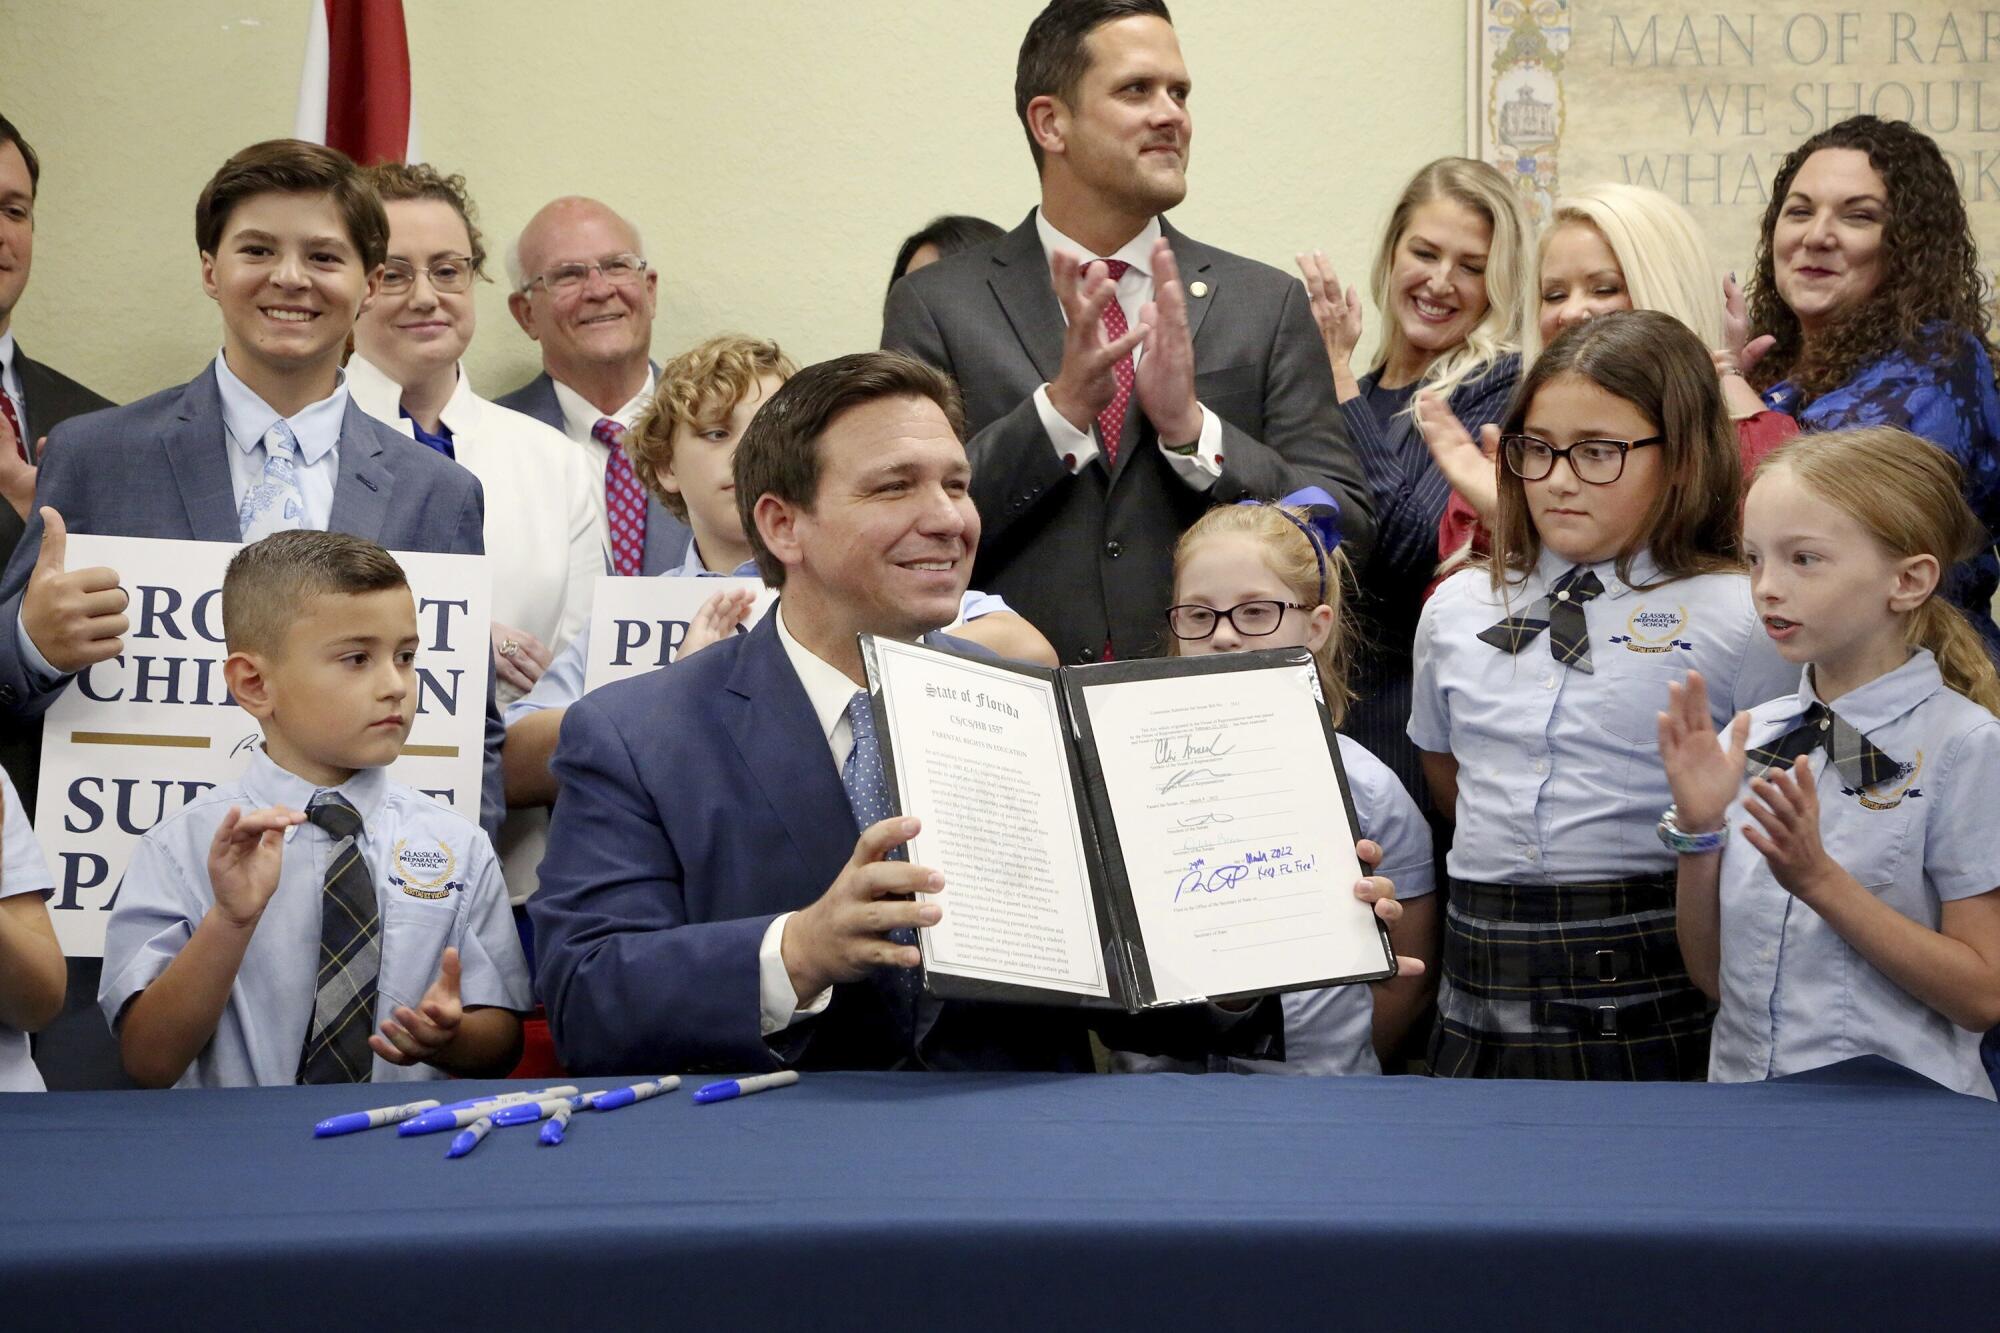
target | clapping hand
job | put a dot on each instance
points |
(1472, 468)
(1703, 775)
(1165, 375)
(245, 858)
(1087, 381)
(717, 619)
(416, 1036)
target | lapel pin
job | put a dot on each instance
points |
(1197, 289)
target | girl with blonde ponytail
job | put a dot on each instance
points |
(1864, 914)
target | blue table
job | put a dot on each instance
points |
(1859, 1197)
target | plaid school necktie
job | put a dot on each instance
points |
(1111, 421)
(868, 795)
(624, 501)
(1561, 614)
(1852, 754)
(350, 955)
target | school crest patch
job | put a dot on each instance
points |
(424, 872)
(1656, 629)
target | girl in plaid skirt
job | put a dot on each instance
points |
(1540, 676)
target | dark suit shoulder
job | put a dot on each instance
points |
(686, 689)
(54, 396)
(537, 399)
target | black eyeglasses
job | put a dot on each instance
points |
(1253, 620)
(1598, 462)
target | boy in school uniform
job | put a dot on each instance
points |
(265, 439)
(315, 921)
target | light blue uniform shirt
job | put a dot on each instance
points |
(1797, 996)
(436, 879)
(562, 684)
(246, 419)
(1559, 773)
(22, 870)
(1332, 1031)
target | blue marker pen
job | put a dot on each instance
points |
(638, 1092)
(501, 1098)
(730, 1088)
(431, 1122)
(469, 1137)
(355, 1121)
(527, 1113)
(552, 1132)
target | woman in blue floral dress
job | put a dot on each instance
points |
(1874, 311)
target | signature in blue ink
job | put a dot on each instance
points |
(1215, 880)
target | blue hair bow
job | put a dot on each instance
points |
(1321, 524)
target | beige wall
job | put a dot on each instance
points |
(774, 154)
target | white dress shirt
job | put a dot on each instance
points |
(1077, 448)
(580, 417)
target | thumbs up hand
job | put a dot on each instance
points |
(417, 1036)
(74, 617)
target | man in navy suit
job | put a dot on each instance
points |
(583, 291)
(705, 901)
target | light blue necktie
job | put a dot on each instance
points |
(868, 796)
(275, 503)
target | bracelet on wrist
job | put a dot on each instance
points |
(1689, 844)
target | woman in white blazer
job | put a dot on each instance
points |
(544, 535)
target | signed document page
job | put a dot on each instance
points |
(978, 755)
(1234, 832)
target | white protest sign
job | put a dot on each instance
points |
(638, 624)
(132, 740)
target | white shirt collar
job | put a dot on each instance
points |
(247, 418)
(9, 376)
(580, 417)
(1137, 252)
(827, 687)
(382, 397)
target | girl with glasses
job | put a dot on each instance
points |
(1253, 576)
(1539, 677)
(1837, 882)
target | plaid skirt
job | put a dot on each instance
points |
(1578, 981)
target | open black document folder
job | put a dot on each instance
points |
(1131, 835)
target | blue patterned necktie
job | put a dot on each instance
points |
(350, 954)
(275, 503)
(868, 796)
(1561, 614)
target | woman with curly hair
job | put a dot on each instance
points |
(1871, 302)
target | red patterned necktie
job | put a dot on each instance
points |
(624, 501)
(13, 424)
(1111, 421)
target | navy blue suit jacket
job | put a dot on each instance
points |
(157, 468)
(696, 804)
(667, 537)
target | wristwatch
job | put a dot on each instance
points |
(1690, 844)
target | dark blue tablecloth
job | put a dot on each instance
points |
(1858, 1198)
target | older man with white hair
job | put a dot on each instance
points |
(582, 289)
